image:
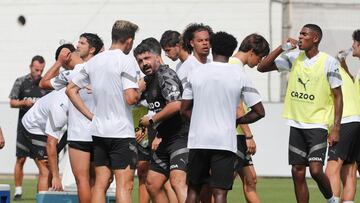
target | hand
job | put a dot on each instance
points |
(142, 85)
(2, 141)
(333, 138)
(155, 143)
(140, 134)
(64, 56)
(339, 56)
(251, 146)
(28, 102)
(293, 43)
(56, 184)
(144, 121)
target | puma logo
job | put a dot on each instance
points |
(303, 83)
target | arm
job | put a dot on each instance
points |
(257, 112)
(63, 58)
(167, 112)
(186, 109)
(344, 65)
(72, 92)
(53, 163)
(268, 63)
(338, 106)
(51, 73)
(2, 140)
(132, 96)
(250, 143)
(16, 103)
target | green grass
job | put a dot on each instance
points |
(272, 190)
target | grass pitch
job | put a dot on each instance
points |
(270, 190)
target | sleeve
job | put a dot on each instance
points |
(15, 91)
(58, 114)
(285, 60)
(61, 80)
(333, 73)
(188, 91)
(129, 74)
(170, 86)
(82, 78)
(55, 125)
(249, 94)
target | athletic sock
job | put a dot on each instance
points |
(337, 199)
(18, 190)
(348, 202)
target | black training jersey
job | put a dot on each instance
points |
(26, 88)
(161, 88)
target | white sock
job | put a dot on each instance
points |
(18, 190)
(337, 199)
(348, 201)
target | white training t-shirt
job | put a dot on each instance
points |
(186, 67)
(284, 63)
(56, 103)
(216, 89)
(79, 127)
(110, 73)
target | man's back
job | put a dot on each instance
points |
(110, 73)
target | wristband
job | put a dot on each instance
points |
(249, 138)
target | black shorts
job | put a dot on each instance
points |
(116, 153)
(345, 148)
(83, 146)
(243, 159)
(22, 149)
(35, 143)
(219, 162)
(307, 145)
(143, 152)
(170, 156)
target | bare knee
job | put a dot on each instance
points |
(298, 172)
(316, 171)
(177, 181)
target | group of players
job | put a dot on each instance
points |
(185, 148)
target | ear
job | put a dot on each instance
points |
(192, 43)
(316, 38)
(92, 50)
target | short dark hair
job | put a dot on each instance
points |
(68, 46)
(257, 43)
(316, 29)
(147, 46)
(94, 41)
(154, 44)
(356, 35)
(123, 30)
(38, 58)
(169, 38)
(223, 44)
(189, 34)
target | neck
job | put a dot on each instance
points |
(183, 56)
(88, 57)
(200, 58)
(220, 58)
(242, 56)
(120, 46)
(312, 52)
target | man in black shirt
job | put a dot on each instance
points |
(163, 94)
(23, 95)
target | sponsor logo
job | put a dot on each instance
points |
(154, 105)
(303, 83)
(301, 95)
(174, 166)
(315, 159)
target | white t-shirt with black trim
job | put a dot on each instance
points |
(110, 73)
(284, 63)
(79, 127)
(55, 104)
(186, 67)
(216, 89)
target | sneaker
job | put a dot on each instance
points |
(17, 197)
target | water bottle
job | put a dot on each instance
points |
(286, 46)
(343, 55)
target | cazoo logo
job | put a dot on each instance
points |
(154, 105)
(301, 95)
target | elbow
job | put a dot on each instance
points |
(260, 68)
(261, 114)
(132, 100)
(41, 84)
